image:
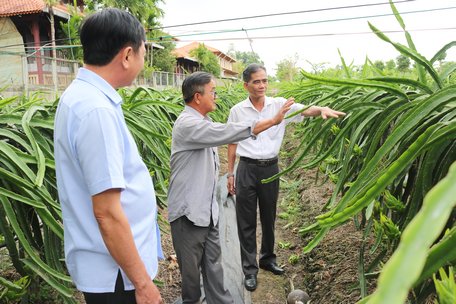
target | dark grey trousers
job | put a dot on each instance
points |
(199, 248)
(250, 193)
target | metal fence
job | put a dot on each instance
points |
(24, 74)
(160, 80)
(165, 80)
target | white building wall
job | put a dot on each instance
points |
(11, 48)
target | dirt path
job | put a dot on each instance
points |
(328, 273)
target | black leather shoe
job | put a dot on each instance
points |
(250, 282)
(273, 268)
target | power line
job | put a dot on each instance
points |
(306, 23)
(43, 48)
(278, 14)
(317, 35)
(269, 37)
(250, 41)
(32, 43)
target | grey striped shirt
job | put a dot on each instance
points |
(195, 164)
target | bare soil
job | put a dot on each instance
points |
(329, 273)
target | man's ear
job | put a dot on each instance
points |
(126, 54)
(197, 101)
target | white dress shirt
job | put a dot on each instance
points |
(267, 143)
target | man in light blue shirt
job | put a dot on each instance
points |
(112, 240)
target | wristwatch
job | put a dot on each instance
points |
(229, 175)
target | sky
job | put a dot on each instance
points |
(312, 31)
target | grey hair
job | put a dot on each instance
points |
(195, 84)
(250, 69)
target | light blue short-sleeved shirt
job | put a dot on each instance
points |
(94, 152)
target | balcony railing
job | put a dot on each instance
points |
(66, 71)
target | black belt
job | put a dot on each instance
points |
(260, 162)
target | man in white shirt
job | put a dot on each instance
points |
(258, 160)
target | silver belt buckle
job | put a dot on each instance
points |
(263, 162)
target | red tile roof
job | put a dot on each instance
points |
(20, 7)
(185, 51)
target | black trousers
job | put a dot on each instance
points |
(119, 296)
(250, 193)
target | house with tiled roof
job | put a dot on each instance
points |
(25, 39)
(187, 64)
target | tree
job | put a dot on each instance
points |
(243, 59)
(319, 67)
(390, 65)
(71, 31)
(238, 67)
(146, 11)
(207, 60)
(441, 58)
(49, 5)
(403, 63)
(162, 59)
(379, 65)
(248, 57)
(287, 68)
